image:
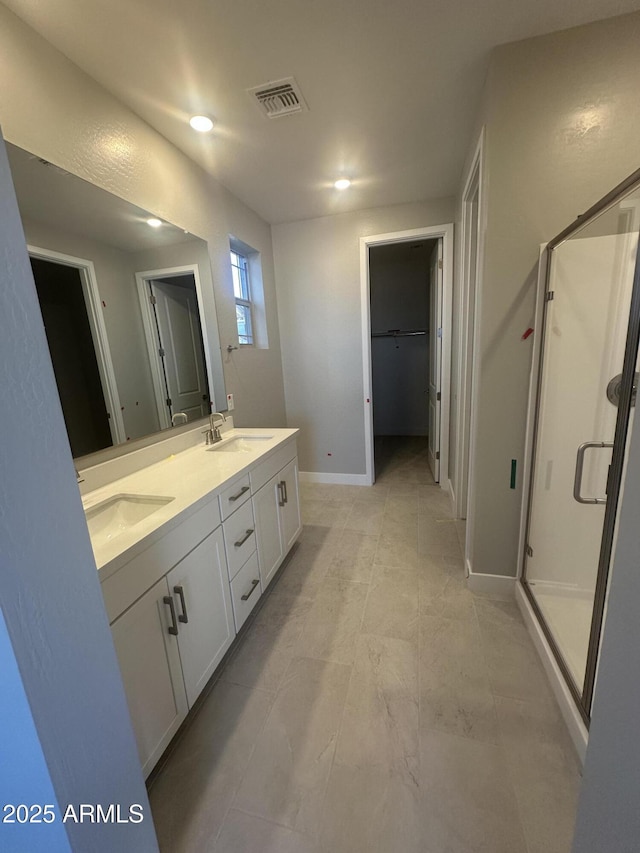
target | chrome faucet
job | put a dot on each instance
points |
(213, 434)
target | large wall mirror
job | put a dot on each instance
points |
(128, 308)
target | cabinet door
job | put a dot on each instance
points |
(199, 585)
(290, 512)
(269, 538)
(151, 673)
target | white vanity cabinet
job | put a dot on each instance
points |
(151, 673)
(200, 599)
(276, 508)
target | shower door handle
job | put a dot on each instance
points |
(577, 483)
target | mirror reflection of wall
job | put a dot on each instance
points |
(91, 250)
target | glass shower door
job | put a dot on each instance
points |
(573, 495)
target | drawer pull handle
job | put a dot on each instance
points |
(286, 493)
(254, 584)
(241, 542)
(281, 493)
(173, 628)
(179, 591)
(239, 495)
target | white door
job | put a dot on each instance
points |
(199, 585)
(151, 673)
(180, 345)
(435, 360)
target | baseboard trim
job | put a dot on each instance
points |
(577, 729)
(496, 586)
(334, 479)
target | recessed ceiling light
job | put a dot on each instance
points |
(154, 223)
(203, 124)
(342, 184)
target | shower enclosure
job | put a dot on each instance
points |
(586, 379)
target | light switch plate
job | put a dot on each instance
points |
(229, 402)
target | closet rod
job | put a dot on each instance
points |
(398, 333)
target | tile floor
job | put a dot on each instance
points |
(375, 704)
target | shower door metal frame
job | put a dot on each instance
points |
(584, 697)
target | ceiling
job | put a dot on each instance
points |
(392, 87)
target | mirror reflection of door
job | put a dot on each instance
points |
(180, 347)
(62, 303)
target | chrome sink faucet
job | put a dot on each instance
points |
(213, 434)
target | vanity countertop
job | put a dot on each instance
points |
(192, 478)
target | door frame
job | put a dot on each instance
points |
(150, 333)
(432, 232)
(469, 337)
(93, 305)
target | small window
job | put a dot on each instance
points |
(242, 293)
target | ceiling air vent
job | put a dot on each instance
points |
(280, 98)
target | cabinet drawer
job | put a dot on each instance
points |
(239, 538)
(263, 472)
(245, 591)
(234, 496)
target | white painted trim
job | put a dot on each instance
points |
(452, 493)
(434, 232)
(527, 458)
(470, 417)
(150, 333)
(334, 479)
(494, 586)
(95, 316)
(577, 729)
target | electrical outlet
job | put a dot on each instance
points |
(230, 402)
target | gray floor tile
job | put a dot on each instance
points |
(305, 570)
(354, 555)
(267, 648)
(365, 517)
(372, 810)
(380, 723)
(245, 833)
(392, 605)
(287, 775)
(190, 797)
(544, 771)
(455, 692)
(399, 551)
(333, 623)
(469, 805)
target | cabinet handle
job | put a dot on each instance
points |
(179, 591)
(254, 584)
(286, 494)
(281, 493)
(173, 628)
(241, 542)
(240, 494)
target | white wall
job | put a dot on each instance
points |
(50, 594)
(562, 128)
(52, 109)
(399, 278)
(318, 274)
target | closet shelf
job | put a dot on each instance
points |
(398, 333)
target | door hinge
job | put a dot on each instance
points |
(152, 299)
(161, 352)
(528, 551)
(438, 396)
(550, 294)
(439, 263)
(169, 403)
(437, 454)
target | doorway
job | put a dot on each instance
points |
(406, 290)
(173, 330)
(68, 297)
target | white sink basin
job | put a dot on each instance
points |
(240, 444)
(115, 515)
